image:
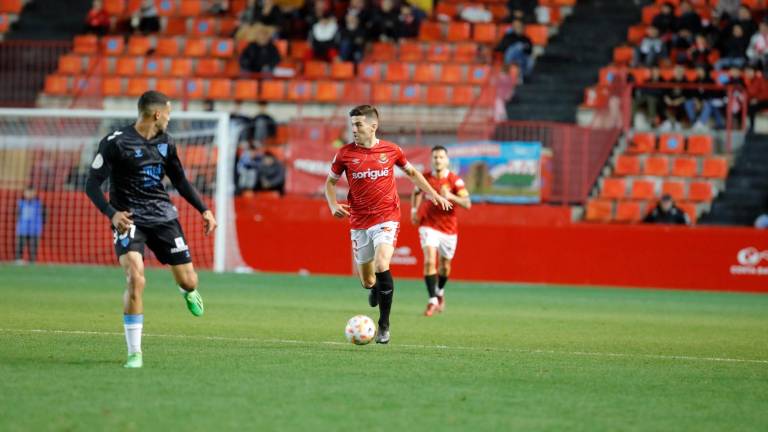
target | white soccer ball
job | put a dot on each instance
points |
(360, 330)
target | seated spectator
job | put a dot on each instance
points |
(649, 99)
(702, 102)
(651, 49)
(264, 125)
(324, 38)
(271, 174)
(386, 22)
(665, 22)
(688, 19)
(698, 54)
(680, 45)
(476, 13)
(666, 212)
(409, 22)
(745, 20)
(758, 47)
(523, 10)
(97, 21)
(517, 48)
(734, 51)
(247, 169)
(757, 94)
(352, 39)
(261, 55)
(674, 100)
(146, 20)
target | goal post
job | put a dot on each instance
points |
(48, 152)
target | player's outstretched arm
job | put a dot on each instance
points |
(418, 179)
(338, 210)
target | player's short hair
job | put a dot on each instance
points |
(438, 148)
(364, 110)
(151, 99)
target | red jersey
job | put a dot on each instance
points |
(434, 216)
(370, 172)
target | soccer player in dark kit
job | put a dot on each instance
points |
(136, 158)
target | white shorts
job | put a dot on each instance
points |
(445, 243)
(364, 241)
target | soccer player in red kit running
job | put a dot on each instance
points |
(438, 229)
(374, 206)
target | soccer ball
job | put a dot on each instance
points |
(360, 330)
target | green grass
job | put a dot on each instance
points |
(269, 355)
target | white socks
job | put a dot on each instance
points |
(133, 325)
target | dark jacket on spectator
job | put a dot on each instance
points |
(510, 38)
(259, 58)
(665, 23)
(673, 216)
(689, 21)
(734, 47)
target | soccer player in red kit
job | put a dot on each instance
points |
(374, 206)
(438, 229)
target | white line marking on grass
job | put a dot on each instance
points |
(436, 347)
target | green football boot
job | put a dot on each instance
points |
(134, 361)
(194, 302)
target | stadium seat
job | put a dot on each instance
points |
(209, 67)
(462, 95)
(227, 26)
(672, 143)
(11, 6)
(70, 64)
(220, 88)
(410, 51)
(114, 7)
(613, 188)
(450, 73)
(327, 91)
(299, 91)
(437, 95)
(485, 33)
(656, 166)
(636, 33)
(383, 93)
(465, 52)
(196, 47)
(86, 44)
(627, 165)
(690, 209)
(430, 31)
(640, 74)
(167, 46)
(193, 88)
(715, 167)
(642, 142)
(674, 188)
(342, 70)
(410, 94)
(272, 90)
(56, 85)
(369, 71)
(170, 86)
(599, 210)
(479, 74)
(623, 55)
(700, 145)
(383, 51)
(175, 26)
(628, 211)
(246, 90)
(685, 167)
(538, 33)
(425, 73)
(154, 66)
(137, 86)
(202, 27)
(438, 52)
(299, 49)
(127, 66)
(315, 69)
(112, 86)
(458, 31)
(643, 189)
(396, 71)
(112, 45)
(138, 45)
(166, 8)
(700, 191)
(191, 8)
(181, 67)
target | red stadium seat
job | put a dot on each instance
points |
(193, 88)
(689, 209)
(599, 210)
(613, 188)
(138, 45)
(209, 67)
(369, 71)
(656, 166)
(438, 52)
(623, 55)
(410, 94)
(450, 73)
(458, 31)
(137, 86)
(383, 93)
(673, 188)
(112, 86)
(154, 66)
(114, 7)
(715, 167)
(465, 52)
(425, 73)
(700, 145)
(642, 143)
(246, 90)
(191, 8)
(175, 26)
(166, 8)
(299, 49)
(685, 167)
(671, 143)
(171, 87)
(273, 90)
(11, 6)
(479, 74)
(167, 46)
(86, 44)
(343, 70)
(463, 95)
(628, 211)
(70, 64)
(220, 88)
(223, 48)
(700, 191)
(299, 90)
(538, 33)
(485, 33)
(437, 95)
(202, 27)
(127, 66)
(396, 71)
(410, 51)
(383, 51)
(315, 69)
(627, 165)
(112, 45)
(56, 85)
(430, 31)
(327, 91)
(181, 67)
(643, 189)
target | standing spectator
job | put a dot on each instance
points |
(734, 51)
(324, 38)
(271, 174)
(352, 39)
(758, 47)
(757, 94)
(146, 20)
(264, 125)
(665, 22)
(409, 22)
(261, 55)
(666, 212)
(29, 225)
(97, 21)
(517, 48)
(651, 49)
(650, 98)
(674, 100)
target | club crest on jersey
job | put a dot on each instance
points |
(163, 149)
(383, 158)
(138, 153)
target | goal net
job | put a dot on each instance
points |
(44, 160)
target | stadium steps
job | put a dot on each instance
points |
(746, 192)
(572, 60)
(50, 20)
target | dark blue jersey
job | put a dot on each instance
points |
(136, 168)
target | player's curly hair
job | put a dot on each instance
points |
(364, 110)
(151, 99)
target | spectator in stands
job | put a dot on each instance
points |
(757, 94)
(674, 100)
(324, 38)
(758, 47)
(698, 54)
(409, 22)
(97, 21)
(268, 14)
(386, 22)
(247, 169)
(649, 99)
(517, 48)
(264, 125)
(651, 49)
(666, 212)
(261, 55)
(476, 13)
(271, 174)
(352, 39)
(746, 21)
(364, 13)
(665, 22)
(146, 20)
(702, 102)
(734, 51)
(218, 7)
(523, 10)
(29, 225)
(688, 19)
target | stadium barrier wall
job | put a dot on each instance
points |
(532, 244)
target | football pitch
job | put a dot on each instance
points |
(270, 354)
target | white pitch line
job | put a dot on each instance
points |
(436, 347)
